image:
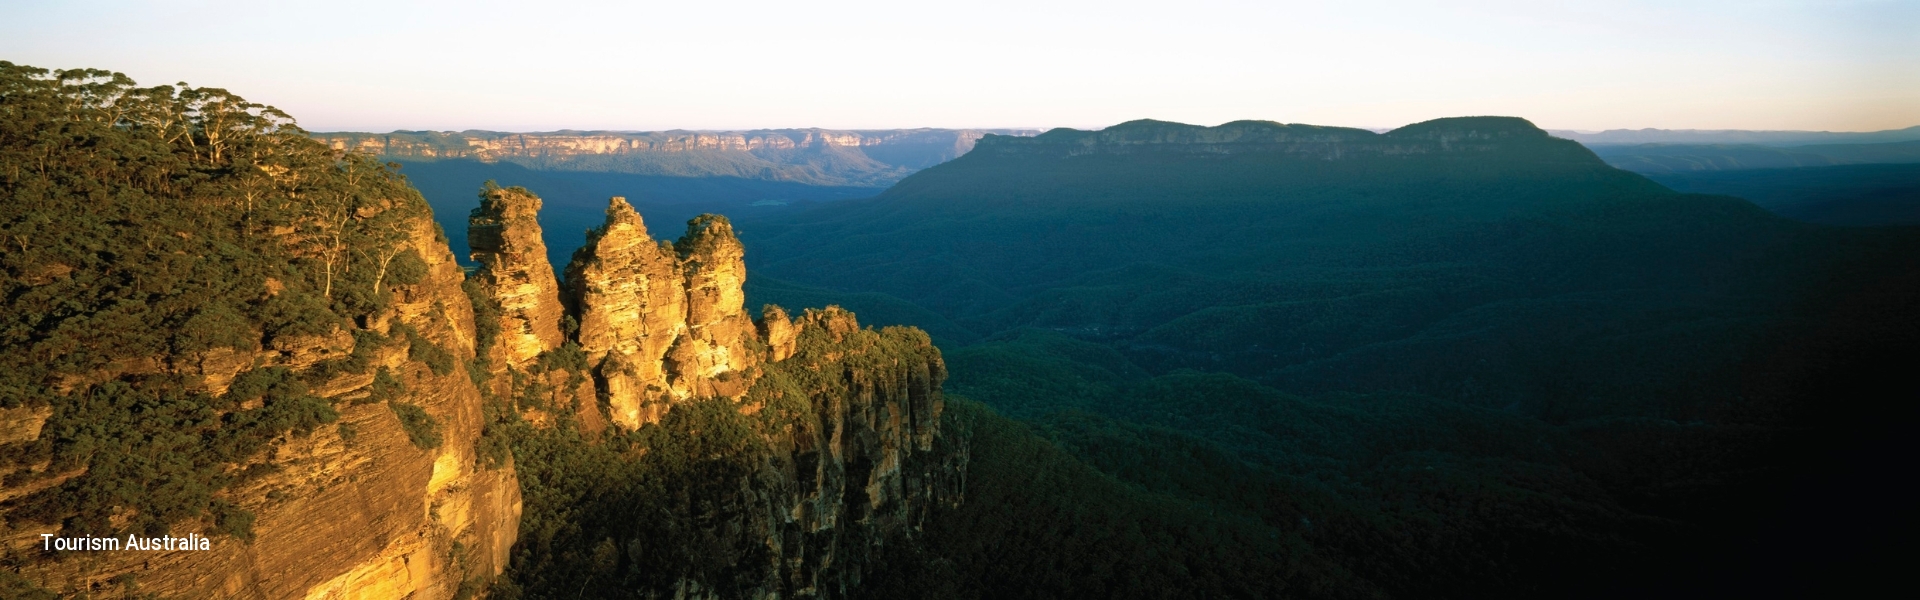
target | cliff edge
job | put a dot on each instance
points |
(257, 355)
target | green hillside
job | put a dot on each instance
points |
(1315, 258)
(1474, 357)
(1851, 195)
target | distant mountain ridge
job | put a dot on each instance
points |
(1437, 136)
(1834, 184)
(1842, 194)
(1679, 158)
(1263, 195)
(1737, 136)
(1325, 310)
(868, 158)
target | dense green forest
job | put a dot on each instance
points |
(1487, 276)
(1849, 195)
(641, 513)
(1461, 359)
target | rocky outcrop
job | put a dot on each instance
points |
(522, 302)
(662, 322)
(22, 424)
(778, 331)
(504, 233)
(720, 350)
(282, 365)
(630, 294)
(859, 468)
(831, 430)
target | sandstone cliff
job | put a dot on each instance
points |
(505, 237)
(794, 490)
(853, 462)
(811, 156)
(353, 510)
(662, 322)
(490, 145)
(216, 328)
(517, 299)
(768, 459)
(827, 433)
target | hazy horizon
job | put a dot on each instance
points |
(576, 299)
(1040, 128)
(442, 66)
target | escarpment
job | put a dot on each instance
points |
(305, 413)
(742, 458)
(853, 460)
(762, 458)
(809, 156)
(217, 329)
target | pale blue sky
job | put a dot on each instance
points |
(352, 65)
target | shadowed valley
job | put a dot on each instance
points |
(1463, 358)
(1463, 348)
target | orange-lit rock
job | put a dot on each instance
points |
(505, 237)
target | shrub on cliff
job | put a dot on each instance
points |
(422, 429)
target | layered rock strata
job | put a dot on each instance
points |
(218, 331)
(518, 283)
(662, 322)
(850, 455)
(491, 145)
(354, 509)
(869, 158)
(848, 458)
(504, 233)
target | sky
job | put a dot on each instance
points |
(348, 65)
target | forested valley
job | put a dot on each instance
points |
(1462, 358)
